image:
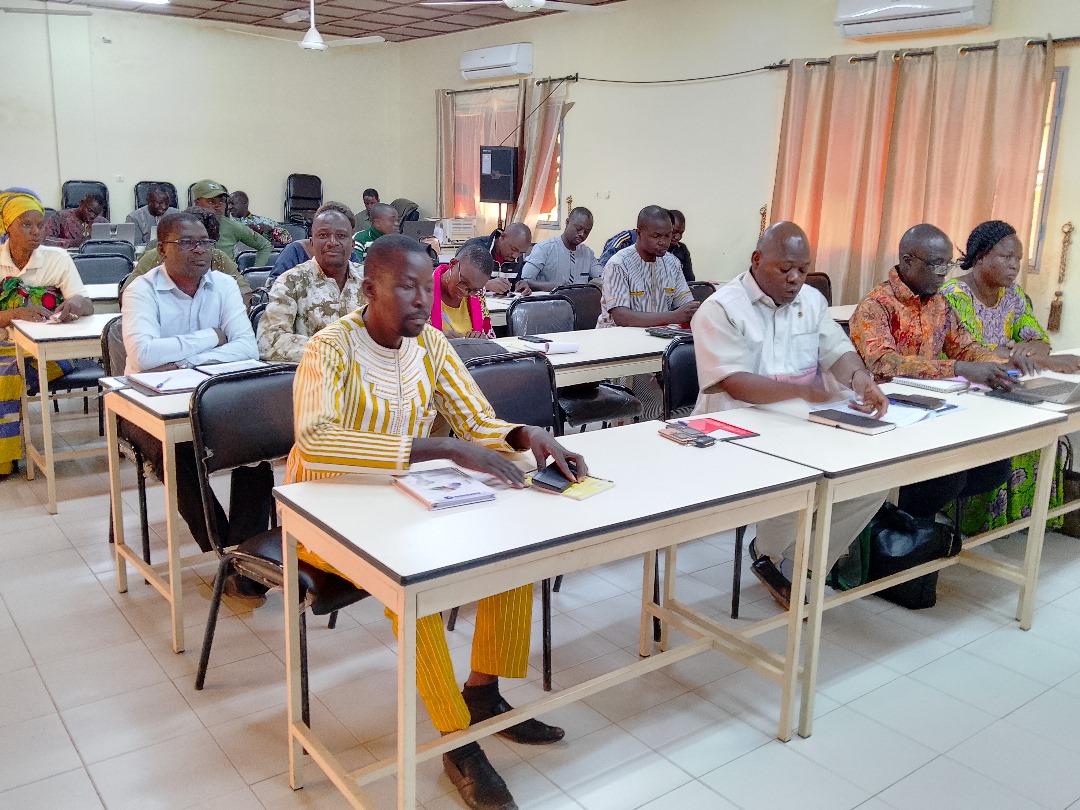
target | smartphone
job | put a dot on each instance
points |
(680, 434)
(533, 339)
(552, 478)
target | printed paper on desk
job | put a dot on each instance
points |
(899, 415)
(213, 369)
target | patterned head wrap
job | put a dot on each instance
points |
(14, 202)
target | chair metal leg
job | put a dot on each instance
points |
(545, 600)
(452, 620)
(557, 585)
(305, 707)
(736, 577)
(333, 621)
(144, 523)
(211, 621)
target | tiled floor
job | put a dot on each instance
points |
(952, 707)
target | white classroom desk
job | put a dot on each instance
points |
(418, 563)
(44, 342)
(841, 313)
(497, 307)
(982, 431)
(106, 297)
(618, 351)
(166, 418)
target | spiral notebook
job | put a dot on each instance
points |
(947, 386)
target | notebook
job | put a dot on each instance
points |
(850, 421)
(947, 386)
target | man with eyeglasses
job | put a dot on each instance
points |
(183, 314)
(905, 327)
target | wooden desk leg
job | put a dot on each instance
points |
(294, 696)
(24, 412)
(1025, 607)
(822, 521)
(648, 578)
(794, 630)
(407, 703)
(670, 554)
(117, 501)
(47, 433)
(172, 521)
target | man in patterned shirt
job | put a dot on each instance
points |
(313, 294)
(70, 228)
(643, 283)
(366, 393)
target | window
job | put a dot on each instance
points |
(1047, 159)
(553, 214)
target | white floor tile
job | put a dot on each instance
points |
(1029, 654)
(81, 679)
(945, 784)
(72, 791)
(690, 795)
(23, 696)
(1054, 716)
(979, 682)
(34, 749)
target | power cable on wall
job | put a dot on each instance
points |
(774, 66)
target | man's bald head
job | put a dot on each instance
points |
(781, 261)
(651, 215)
(920, 236)
(926, 256)
(514, 242)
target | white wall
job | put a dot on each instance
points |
(180, 100)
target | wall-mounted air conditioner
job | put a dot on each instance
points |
(497, 62)
(868, 18)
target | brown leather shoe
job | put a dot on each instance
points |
(778, 586)
(477, 782)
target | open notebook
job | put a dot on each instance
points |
(185, 379)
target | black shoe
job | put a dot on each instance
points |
(778, 586)
(248, 590)
(479, 785)
(485, 702)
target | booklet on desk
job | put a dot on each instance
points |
(444, 487)
(947, 386)
(850, 421)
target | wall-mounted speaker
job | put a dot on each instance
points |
(498, 174)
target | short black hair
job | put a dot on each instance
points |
(169, 225)
(677, 216)
(93, 198)
(580, 211)
(652, 213)
(341, 208)
(370, 192)
(388, 251)
(475, 253)
(983, 239)
(208, 218)
(158, 189)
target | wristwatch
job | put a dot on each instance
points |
(183, 364)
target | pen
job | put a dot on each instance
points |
(161, 384)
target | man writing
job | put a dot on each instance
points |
(366, 393)
(643, 283)
(313, 294)
(507, 247)
(764, 337)
(904, 327)
(563, 259)
(182, 314)
(145, 219)
(70, 228)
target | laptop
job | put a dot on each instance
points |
(419, 229)
(125, 231)
(1051, 389)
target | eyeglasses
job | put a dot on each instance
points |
(937, 267)
(464, 286)
(188, 245)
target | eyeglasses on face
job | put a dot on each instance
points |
(191, 244)
(937, 267)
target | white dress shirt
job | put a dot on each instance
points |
(741, 329)
(162, 324)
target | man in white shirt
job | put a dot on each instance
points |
(563, 259)
(182, 314)
(762, 338)
(147, 217)
(643, 283)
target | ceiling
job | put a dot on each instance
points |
(394, 20)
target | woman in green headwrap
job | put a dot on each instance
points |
(36, 283)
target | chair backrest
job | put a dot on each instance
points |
(520, 387)
(273, 257)
(142, 189)
(256, 315)
(822, 283)
(701, 289)
(245, 260)
(407, 210)
(538, 314)
(73, 191)
(303, 196)
(259, 398)
(191, 196)
(679, 370)
(102, 268)
(468, 348)
(113, 352)
(586, 298)
(115, 247)
(297, 230)
(256, 276)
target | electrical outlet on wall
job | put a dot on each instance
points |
(119, 178)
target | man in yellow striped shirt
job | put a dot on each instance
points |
(367, 390)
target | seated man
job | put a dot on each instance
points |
(765, 337)
(363, 218)
(352, 415)
(678, 247)
(643, 283)
(563, 259)
(218, 260)
(384, 220)
(313, 294)
(623, 239)
(179, 315)
(457, 308)
(70, 228)
(240, 210)
(300, 250)
(145, 219)
(508, 248)
(903, 328)
(213, 197)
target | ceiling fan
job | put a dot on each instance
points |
(313, 40)
(524, 6)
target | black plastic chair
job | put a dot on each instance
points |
(261, 398)
(142, 191)
(822, 283)
(255, 315)
(297, 230)
(114, 360)
(521, 389)
(538, 314)
(245, 260)
(102, 268)
(256, 276)
(110, 247)
(701, 289)
(586, 300)
(73, 192)
(303, 196)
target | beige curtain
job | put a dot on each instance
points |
(545, 106)
(468, 121)
(870, 148)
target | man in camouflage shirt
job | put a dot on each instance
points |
(313, 294)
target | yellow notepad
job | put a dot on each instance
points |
(579, 491)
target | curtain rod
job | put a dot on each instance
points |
(963, 49)
(480, 89)
(549, 79)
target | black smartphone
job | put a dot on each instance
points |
(552, 478)
(533, 339)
